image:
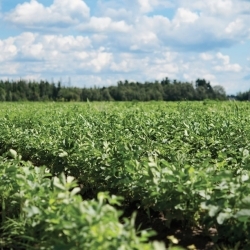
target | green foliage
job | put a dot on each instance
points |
(188, 160)
(166, 90)
(43, 213)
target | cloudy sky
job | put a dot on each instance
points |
(99, 42)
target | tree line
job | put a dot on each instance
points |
(243, 96)
(165, 90)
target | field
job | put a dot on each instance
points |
(73, 174)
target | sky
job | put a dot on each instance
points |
(100, 42)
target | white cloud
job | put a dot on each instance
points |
(127, 62)
(66, 43)
(150, 5)
(100, 60)
(144, 40)
(211, 7)
(191, 27)
(184, 16)
(161, 71)
(157, 24)
(235, 26)
(9, 69)
(210, 77)
(219, 20)
(219, 7)
(226, 66)
(120, 66)
(224, 58)
(104, 24)
(61, 13)
(36, 53)
(206, 56)
(30, 46)
(229, 67)
(8, 50)
(74, 8)
(146, 5)
(192, 76)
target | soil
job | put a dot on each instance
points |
(187, 236)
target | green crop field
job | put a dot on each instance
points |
(68, 172)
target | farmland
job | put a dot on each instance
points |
(69, 171)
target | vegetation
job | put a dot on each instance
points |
(243, 96)
(189, 161)
(43, 213)
(124, 91)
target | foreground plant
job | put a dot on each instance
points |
(47, 213)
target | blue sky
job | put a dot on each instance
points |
(104, 41)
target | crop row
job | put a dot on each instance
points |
(40, 212)
(188, 160)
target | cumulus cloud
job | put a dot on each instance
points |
(212, 7)
(8, 70)
(32, 46)
(225, 59)
(146, 5)
(184, 16)
(144, 41)
(224, 21)
(206, 56)
(218, 7)
(226, 66)
(195, 26)
(97, 61)
(8, 50)
(57, 54)
(235, 25)
(104, 24)
(61, 13)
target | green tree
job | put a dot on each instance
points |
(2, 95)
(106, 95)
(219, 92)
(9, 96)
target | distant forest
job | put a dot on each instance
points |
(165, 90)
